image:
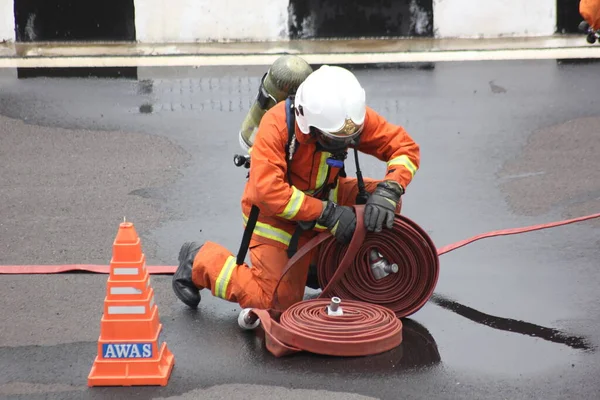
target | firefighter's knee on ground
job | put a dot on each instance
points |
(264, 297)
(256, 299)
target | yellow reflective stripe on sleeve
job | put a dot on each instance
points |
(269, 232)
(294, 205)
(320, 227)
(224, 277)
(405, 162)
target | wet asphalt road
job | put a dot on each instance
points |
(504, 144)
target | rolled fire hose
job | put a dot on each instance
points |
(357, 330)
(365, 327)
(370, 321)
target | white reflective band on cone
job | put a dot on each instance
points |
(124, 290)
(126, 271)
(126, 310)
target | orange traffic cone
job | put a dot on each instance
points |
(129, 348)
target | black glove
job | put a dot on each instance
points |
(381, 206)
(339, 220)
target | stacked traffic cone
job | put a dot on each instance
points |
(129, 349)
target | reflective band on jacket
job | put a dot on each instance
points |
(224, 277)
(294, 205)
(405, 162)
(322, 174)
(320, 227)
(270, 232)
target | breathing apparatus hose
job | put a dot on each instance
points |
(344, 272)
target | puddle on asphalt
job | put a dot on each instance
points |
(541, 178)
(481, 343)
(470, 341)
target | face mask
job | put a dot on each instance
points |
(335, 144)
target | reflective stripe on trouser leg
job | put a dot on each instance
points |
(224, 278)
(214, 270)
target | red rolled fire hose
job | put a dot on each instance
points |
(361, 329)
(345, 272)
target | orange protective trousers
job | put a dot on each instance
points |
(590, 11)
(253, 286)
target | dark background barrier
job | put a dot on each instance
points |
(567, 16)
(114, 20)
(360, 18)
(74, 20)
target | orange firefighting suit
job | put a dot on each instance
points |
(590, 11)
(282, 203)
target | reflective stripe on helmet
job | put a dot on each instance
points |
(405, 162)
(224, 276)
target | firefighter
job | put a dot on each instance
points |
(590, 11)
(303, 185)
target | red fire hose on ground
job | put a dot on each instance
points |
(364, 316)
(364, 326)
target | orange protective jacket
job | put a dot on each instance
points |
(281, 203)
(590, 11)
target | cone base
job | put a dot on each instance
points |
(133, 372)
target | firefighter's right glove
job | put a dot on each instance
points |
(381, 206)
(339, 220)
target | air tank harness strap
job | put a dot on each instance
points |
(290, 149)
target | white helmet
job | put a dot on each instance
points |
(331, 101)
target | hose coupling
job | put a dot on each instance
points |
(334, 307)
(248, 320)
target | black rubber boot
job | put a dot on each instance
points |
(183, 286)
(312, 289)
(312, 280)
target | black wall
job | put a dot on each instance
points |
(74, 20)
(567, 16)
(360, 18)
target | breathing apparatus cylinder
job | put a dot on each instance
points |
(281, 80)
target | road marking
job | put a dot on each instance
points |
(312, 58)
